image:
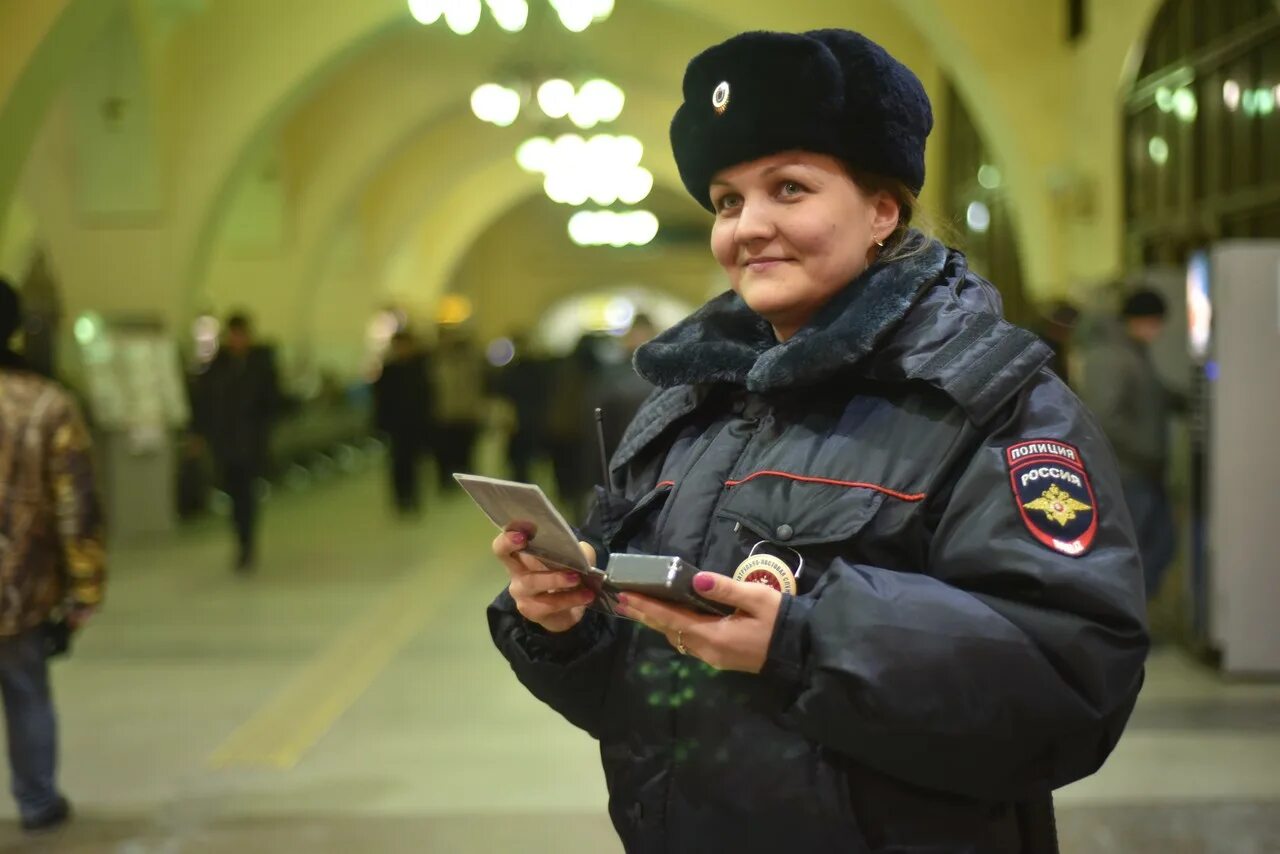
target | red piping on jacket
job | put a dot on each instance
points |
(904, 496)
(666, 483)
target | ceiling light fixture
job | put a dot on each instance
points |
(463, 16)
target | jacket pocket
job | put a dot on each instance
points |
(794, 511)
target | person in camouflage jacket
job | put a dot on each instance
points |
(52, 561)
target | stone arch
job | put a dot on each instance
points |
(213, 110)
(657, 159)
(421, 155)
(416, 99)
(467, 226)
(42, 41)
(710, 26)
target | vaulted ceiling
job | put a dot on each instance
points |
(314, 159)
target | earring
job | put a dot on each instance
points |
(878, 242)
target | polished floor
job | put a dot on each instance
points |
(347, 699)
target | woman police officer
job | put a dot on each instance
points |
(952, 624)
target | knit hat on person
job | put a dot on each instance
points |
(1144, 303)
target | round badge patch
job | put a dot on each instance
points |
(720, 97)
(768, 570)
(1054, 494)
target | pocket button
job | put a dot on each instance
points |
(784, 532)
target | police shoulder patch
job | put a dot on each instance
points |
(1054, 495)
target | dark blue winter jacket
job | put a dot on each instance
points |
(968, 633)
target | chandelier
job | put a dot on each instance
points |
(594, 102)
(603, 169)
(463, 16)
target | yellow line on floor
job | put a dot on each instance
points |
(282, 732)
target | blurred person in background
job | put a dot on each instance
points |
(234, 404)
(1056, 328)
(524, 384)
(52, 563)
(937, 608)
(459, 373)
(1134, 407)
(570, 424)
(619, 389)
(402, 406)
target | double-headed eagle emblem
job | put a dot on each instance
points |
(1058, 505)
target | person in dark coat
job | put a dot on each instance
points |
(525, 384)
(1057, 327)
(568, 423)
(940, 615)
(458, 382)
(1134, 407)
(234, 403)
(619, 390)
(402, 407)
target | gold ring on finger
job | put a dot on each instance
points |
(680, 642)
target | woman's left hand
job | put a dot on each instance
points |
(737, 642)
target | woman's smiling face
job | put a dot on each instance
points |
(792, 230)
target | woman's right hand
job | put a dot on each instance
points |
(554, 599)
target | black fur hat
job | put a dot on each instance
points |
(828, 91)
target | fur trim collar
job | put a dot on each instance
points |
(725, 341)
